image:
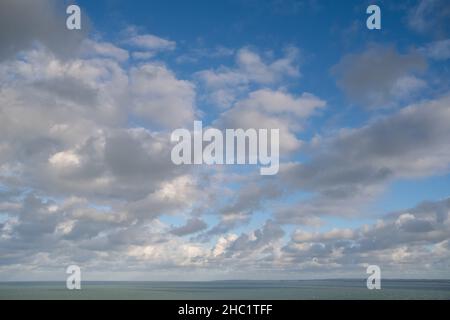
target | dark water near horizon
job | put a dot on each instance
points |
(229, 290)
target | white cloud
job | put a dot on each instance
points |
(273, 109)
(438, 50)
(151, 42)
(160, 98)
(143, 55)
(104, 49)
(64, 159)
(223, 85)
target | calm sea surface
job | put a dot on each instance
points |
(258, 290)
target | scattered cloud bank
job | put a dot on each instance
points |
(86, 176)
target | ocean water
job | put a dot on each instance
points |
(238, 290)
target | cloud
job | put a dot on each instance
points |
(408, 223)
(151, 42)
(437, 50)
(430, 17)
(273, 109)
(351, 168)
(255, 69)
(145, 46)
(171, 197)
(143, 55)
(260, 239)
(66, 132)
(380, 77)
(68, 120)
(417, 237)
(73, 231)
(238, 207)
(335, 234)
(22, 23)
(225, 84)
(173, 254)
(293, 215)
(411, 237)
(160, 98)
(193, 225)
(104, 49)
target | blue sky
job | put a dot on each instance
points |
(85, 172)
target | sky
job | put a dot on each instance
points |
(86, 116)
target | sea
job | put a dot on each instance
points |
(341, 289)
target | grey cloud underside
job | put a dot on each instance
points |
(355, 165)
(23, 22)
(399, 238)
(379, 77)
(193, 225)
(418, 237)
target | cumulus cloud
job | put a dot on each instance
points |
(193, 225)
(145, 46)
(66, 132)
(76, 126)
(396, 239)
(380, 77)
(160, 98)
(225, 84)
(354, 166)
(294, 215)
(273, 109)
(151, 42)
(254, 243)
(104, 49)
(408, 237)
(23, 23)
